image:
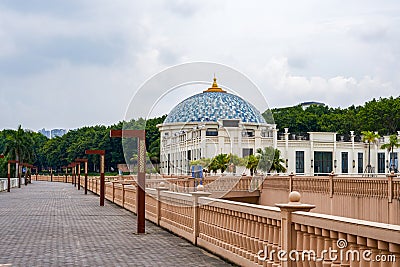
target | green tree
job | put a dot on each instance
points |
(393, 142)
(381, 115)
(270, 160)
(213, 166)
(220, 162)
(369, 137)
(19, 145)
(277, 163)
(266, 157)
(252, 163)
(203, 162)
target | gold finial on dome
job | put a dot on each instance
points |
(214, 87)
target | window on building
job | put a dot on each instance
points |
(394, 162)
(322, 162)
(345, 162)
(360, 163)
(212, 132)
(248, 133)
(381, 162)
(299, 161)
(230, 123)
(247, 152)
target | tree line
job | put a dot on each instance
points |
(267, 160)
(381, 115)
(34, 148)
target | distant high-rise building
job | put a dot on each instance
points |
(58, 132)
(52, 133)
(45, 132)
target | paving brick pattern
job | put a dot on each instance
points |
(53, 224)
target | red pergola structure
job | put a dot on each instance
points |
(72, 166)
(36, 169)
(141, 176)
(79, 172)
(66, 170)
(9, 175)
(27, 165)
(102, 181)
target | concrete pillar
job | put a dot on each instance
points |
(159, 189)
(390, 186)
(291, 182)
(288, 231)
(331, 176)
(196, 210)
(353, 155)
(286, 143)
(275, 136)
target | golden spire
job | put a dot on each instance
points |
(214, 87)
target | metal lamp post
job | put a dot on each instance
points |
(141, 177)
(9, 173)
(102, 181)
(79, 172)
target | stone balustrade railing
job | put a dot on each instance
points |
(217, 184)
(13, 183)
(256, 235)
(371, 187)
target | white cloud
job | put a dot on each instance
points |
(55, 57)
(285, 89)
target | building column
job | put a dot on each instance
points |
(312, 160)
(353, 155)
(275, 137)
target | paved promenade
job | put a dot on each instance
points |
(53, 224)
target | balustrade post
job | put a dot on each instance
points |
(196, 210)
(331, 175)
(9, 177)
(288, 231)
(159, 189)
(291, 182)
(390, 186)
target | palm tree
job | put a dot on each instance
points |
(369, 137)
(221, 162)
(19, 146)
(213, 166)
(266, 156)
(270, 160)
(393, 142)
(252, 163)
(277, 162)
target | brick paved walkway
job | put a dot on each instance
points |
(53, 224)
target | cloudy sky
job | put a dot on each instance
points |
(73, 63)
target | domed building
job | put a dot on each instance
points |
(210, 123)
(215, 121)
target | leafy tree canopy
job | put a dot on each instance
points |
(382, 115)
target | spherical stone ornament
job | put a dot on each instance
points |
(200, 188)
(294, 197)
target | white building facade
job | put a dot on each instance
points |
(319, 153)
(214, 122)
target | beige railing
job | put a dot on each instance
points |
(253, 235)
(256, 235)
(371, 187)
(372, 199)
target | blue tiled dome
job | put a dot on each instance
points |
(211, 106)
